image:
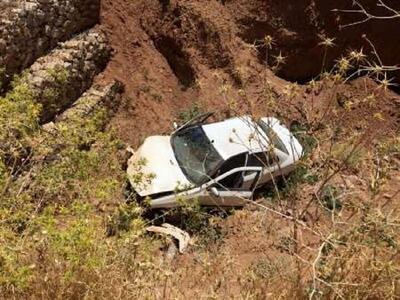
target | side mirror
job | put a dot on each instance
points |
(214, 191)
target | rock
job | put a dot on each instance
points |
(92, 100)
(27, 23)
(60, 77)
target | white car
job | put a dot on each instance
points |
(217, 164)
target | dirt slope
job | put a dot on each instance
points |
(296, 27)
(171, 57)
(330, 229)
(171, 54)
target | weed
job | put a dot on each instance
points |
(126, 218)
(329, 198)
(199, 221)
(191, 112)
(349, 153)
(300, 131)
(265, 269)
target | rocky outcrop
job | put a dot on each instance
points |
(28, 29)
(58, 79)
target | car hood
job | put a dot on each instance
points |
(153, 168)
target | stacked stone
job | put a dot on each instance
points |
(103, 99)
(92, 101)
(30, 28)
(60, 77)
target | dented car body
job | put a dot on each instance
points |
(217, 164)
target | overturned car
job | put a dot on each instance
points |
(217, 164)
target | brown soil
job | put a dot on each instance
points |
(296, 27)
(171, 54)
(184, 58)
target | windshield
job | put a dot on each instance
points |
(195, 154)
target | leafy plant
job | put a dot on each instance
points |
(191, 112)
(329, 198)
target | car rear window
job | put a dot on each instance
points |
(273, 137)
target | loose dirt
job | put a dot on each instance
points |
(172, 54)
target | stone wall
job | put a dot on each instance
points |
(99, 99)
(94, 99)
(60, 77)
(77, 127)
(30, 28)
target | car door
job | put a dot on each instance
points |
(272, 162)
(264, 160)
(225, 190)
(229, 189)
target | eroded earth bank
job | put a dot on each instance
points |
(80, 81)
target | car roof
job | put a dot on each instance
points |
(235, 136)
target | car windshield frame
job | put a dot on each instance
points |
(201, 160)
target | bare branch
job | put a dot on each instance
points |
(367, 15)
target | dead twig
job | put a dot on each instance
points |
(367, 15)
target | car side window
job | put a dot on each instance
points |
(262, 159)
(232, 182)
(235, 180)
(232, 163)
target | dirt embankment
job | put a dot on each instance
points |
(180, 55)
(171, 54)
(298, 27)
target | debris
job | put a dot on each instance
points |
(182, 236)
(171, 252)
(130, 150)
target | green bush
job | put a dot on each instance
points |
(191, 112)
